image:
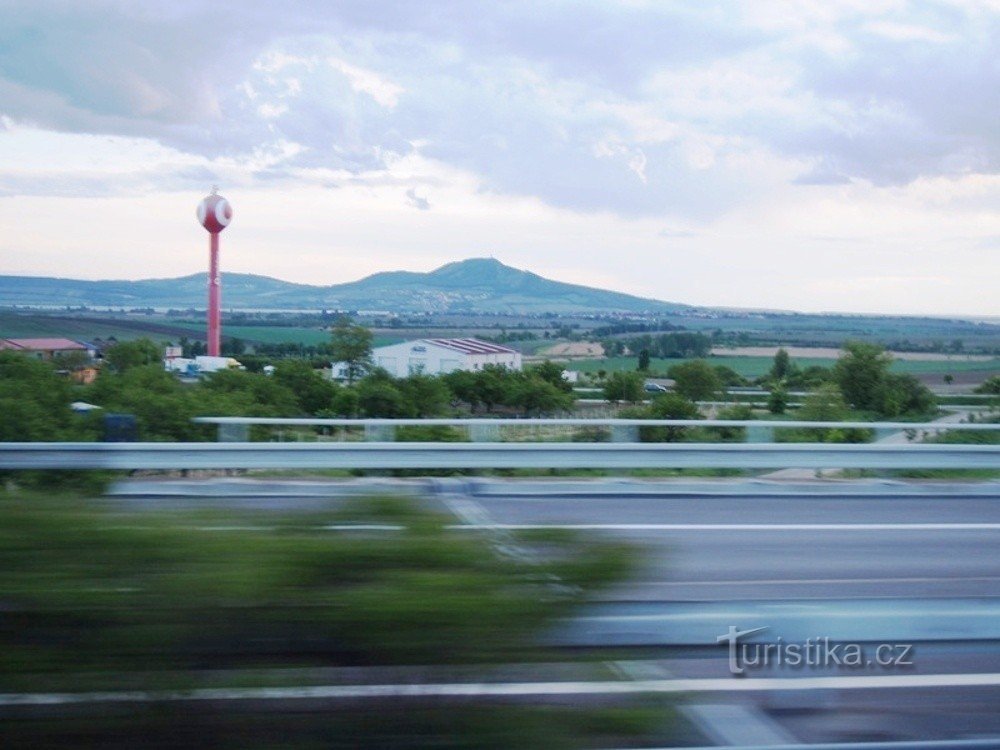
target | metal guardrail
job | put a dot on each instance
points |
(383, 455)
(236, 429)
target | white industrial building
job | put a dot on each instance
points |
(436, 357)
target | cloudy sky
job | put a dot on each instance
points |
(795, 154)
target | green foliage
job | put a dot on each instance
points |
(990, 386)
(351, 344)
(125, 355)
(729, 377)
(899, 394)
(551, 373)
(425, 396)
(777, 399)
(782, 367)
(491, 385)
(534, 396)
(860, 371)
(696, 380)
(464, 385)
(825, 404)
(863, 376)
(439, 433)
(736, 412)
(162, 405)
(379, 396)
(665, 406)
(34, 401)
(89, 590)
(313, 392)
(672, 345)
(643, 365)
(237, 392)
(70, 361)
(624, 386)
(808, 378)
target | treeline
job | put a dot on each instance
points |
(36, 400)
(672, 345)
(633, 327)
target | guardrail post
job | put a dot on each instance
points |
(759, 434)
(484, 433)
(380, 433)
(624, 433)
(234, 433)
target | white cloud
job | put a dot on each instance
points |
(540, 128)
(378, 88)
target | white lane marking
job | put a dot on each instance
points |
(477, 522)
(816, 581)
(476, 689)
(743, 526)
(475, 516)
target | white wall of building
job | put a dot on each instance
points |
(409, 357)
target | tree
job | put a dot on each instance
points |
(696, 380)
(379, 396)
(899, 394)
(825, 404)
(425, 396)
(668, 406)
(729, 377)
(70, 361)
(860, 371)
(623, 386)
(777, 400)
(990, 386)
(128, 354)
(782, 366)
(34, 400)
(464, 387)
(552, 373)
(491, 385)
(643, 360)
(532, 395)
(352, 345)
(313, 392)
(247, 394)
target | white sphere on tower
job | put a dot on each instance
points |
(214, 212)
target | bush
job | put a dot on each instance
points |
(89, 590)
(696, 380)
(668, 406)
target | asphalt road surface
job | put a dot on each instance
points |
(869, 561)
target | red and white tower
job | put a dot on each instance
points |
(214, 213)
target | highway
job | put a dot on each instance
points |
(867, 561)
(888, 542)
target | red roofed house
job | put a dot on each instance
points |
(45, 348)
(437, 356)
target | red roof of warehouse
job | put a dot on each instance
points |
(471, 346)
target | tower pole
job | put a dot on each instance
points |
(214, 297)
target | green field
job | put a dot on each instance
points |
(265, 334)
(14, 325)
(79, 327)
(754, 367)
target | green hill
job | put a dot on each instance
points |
(473, 285)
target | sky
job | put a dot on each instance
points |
(806, 155)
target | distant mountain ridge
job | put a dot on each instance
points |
(472, 285)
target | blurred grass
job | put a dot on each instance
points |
(98, 596)
(384, 725)
(88, 587)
